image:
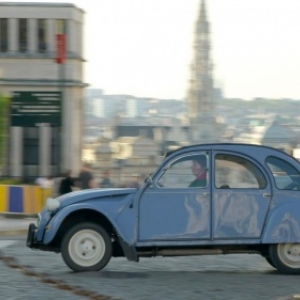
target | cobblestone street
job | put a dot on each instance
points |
(207, 277)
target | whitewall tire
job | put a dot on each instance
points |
(86, 247)
(286, 257)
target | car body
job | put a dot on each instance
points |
(249, 203)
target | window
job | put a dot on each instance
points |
(31, 146)
(3, 35)
(285, 175)
(236, 172)
(55, 140)
(42, 35)
(22, 35)
(189, 171)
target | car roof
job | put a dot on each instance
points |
(247, 148)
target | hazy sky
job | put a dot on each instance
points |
(144, 47)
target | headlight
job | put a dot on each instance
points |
(52, 204)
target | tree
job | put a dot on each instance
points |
(4, 127)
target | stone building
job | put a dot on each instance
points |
(272, 133)
(126, 158)
(28, 64)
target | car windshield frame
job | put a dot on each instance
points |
(294, 175)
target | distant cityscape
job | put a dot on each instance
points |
(235, 115)
(129, 135)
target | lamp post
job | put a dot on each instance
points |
(60, 59)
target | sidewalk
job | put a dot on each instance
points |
(11, 226)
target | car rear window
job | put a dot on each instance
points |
(286, 176)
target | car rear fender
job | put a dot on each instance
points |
(283, 224)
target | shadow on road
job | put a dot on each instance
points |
(111, 274)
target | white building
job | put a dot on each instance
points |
(132, 108)
(99, 107)
(28, 64)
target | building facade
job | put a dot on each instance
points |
(28, 64)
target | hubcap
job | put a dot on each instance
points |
(86, 247)
(289, 254)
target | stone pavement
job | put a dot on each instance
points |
(232, 277)
(12, 225)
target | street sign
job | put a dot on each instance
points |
(30, 109)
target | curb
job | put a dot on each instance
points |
(16, 232)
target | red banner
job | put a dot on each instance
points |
(60, 48)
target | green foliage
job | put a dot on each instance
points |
(9, 181)
(4, 126)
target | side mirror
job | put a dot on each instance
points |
(149, 179)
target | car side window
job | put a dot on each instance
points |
(189, 171)
(285, 175)
(235, 172)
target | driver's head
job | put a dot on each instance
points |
(199, 165)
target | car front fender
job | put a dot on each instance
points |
(283, 224)
(56, 221)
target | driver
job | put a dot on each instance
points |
(199, 170)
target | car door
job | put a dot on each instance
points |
(177, 206)
(241, 197)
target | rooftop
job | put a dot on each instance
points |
(41, 4)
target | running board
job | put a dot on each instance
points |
(191, 252)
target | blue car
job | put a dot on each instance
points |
(203, 199)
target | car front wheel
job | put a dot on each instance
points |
(286, 257)
(86, 247)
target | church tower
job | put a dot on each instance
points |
(200, 98)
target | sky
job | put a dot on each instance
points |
(144, 47)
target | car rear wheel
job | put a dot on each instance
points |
(286, 257)
(86, 247)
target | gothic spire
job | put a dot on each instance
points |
(203, 11)
(202, 26)
(200, 97)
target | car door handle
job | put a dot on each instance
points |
(205, 194)
(266, 195)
